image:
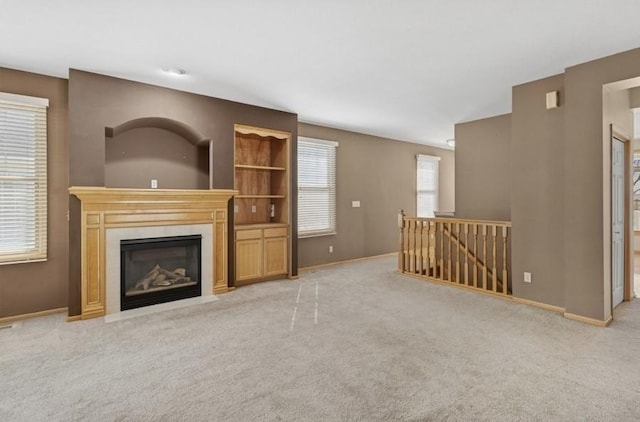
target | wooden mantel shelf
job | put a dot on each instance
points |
(105, 208)
(168, 196)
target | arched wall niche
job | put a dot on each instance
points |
(156, 148)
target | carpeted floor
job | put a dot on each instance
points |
(383, 347)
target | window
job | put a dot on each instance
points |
(426, 185)
(316, 187)
(23, 178)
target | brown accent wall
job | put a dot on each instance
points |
(537, 192)
(97, 101)
(34, 287)
(136, 156)
(483, 169)
(586, 158)
(380, 173)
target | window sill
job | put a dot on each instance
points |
(21, 261)
(310, 235)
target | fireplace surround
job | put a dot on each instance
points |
(109, 210)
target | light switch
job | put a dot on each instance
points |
(253, 209)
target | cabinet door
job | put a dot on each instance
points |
(248, 259)
(275, 256)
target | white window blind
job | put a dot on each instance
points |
(426, 185)
(316, 187)
(23, 178)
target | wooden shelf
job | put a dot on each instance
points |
(260, 196)
(261, 208)
(251, 167)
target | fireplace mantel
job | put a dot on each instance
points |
(106, 208)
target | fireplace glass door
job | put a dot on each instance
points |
(158, 270)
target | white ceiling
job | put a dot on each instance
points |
(404, 69)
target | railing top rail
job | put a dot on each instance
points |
(460, 220)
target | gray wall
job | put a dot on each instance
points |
(482, 157)
(40, 286)
(537, 192)
(380, 173)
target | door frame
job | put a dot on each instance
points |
(617, 134)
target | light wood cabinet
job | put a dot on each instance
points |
(275, 256)
(261, 252)
(261, 208)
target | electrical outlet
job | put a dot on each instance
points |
(330, 249)
(253, 209)
(355, 204)
(236, 209)
(527, 277)
(154, 183)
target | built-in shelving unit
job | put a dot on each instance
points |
(261, 207)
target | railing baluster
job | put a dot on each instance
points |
(419, 264)
(407, 259)
(466, 254)
(450, 257)
(429, 248)
(458, 253)
(484, 257)
(441, 225)
(494, 284)
(505, 278)
(424, 251)
(475, 252)
(401, 222)
(415, 247)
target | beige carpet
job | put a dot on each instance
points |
(383, 347)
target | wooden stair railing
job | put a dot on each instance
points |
(475, 260)
(468, 253)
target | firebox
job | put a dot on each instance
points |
(158, 270)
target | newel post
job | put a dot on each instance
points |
(401, 216)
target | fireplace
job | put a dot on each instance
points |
(160, 269)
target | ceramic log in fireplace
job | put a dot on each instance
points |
(158, 270)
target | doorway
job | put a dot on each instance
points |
(617, 221)
(621, 218)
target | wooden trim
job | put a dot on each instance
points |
(12, 319)
(252, 130)
(74, 318)
(588, 320)
(557, 309)
(461, 221)
(330, 264)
